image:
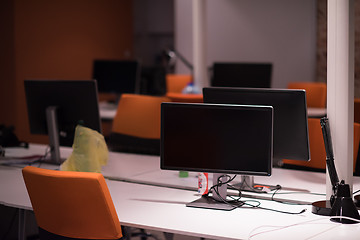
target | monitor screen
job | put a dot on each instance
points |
(290, 116)
(117, 76)
(217, 138)
(252, 75)
(76, 102)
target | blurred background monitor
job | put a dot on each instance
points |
(291, 140)
(56, 107)
(117, 76)
(251, 75)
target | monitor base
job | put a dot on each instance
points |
(321, 208)
(357, 201)
(210, 203)
(247, 184)
(52, 161)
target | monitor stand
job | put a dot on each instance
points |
(216, 201)
(53, 132)
(247, 184)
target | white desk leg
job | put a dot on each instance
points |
(22, 222)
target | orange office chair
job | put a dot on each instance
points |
(136, 125)
(107, 97)
(71, 205)
(315, 93)
(317, 148)
(175, 83)
(187, 98)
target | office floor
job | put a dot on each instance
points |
(160, 236)
(9, 225)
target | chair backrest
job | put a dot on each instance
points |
(317, 147)
(72, 204)
(177, 82)
(136, 125)
(139, 116)
(315, 93)
(107, 97)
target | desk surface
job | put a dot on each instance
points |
(316, 112)
(108, 110)
(298, 186)
(163, 208)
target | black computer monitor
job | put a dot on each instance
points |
(117, 76)
(233, 74)
(56, 107)
(291, 139)
(216, 138)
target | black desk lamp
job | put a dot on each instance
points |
(172, 54)
(341, 203)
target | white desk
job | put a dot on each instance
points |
(297, 186)
(108, 111)
(163, 209)
(316, 112)
(122, 166)
(146, 169)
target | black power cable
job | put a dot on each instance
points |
(235, 202)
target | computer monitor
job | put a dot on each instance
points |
(252, 75)
(56, 107)
(216, 138)
(291, 139)
(117, 76)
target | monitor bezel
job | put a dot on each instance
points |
(163, 166)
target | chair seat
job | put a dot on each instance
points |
(124, 143)
(181, 97)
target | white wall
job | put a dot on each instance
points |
(153, 29)
(279, 31)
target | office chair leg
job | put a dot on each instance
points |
(168, 236)
(128, 234)
(143, 234)
(22, 224)
(126, 231)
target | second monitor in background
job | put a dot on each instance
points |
(252, 75)
(117, 76)
(291, 140)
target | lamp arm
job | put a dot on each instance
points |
(183, 59)
(324, 122)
